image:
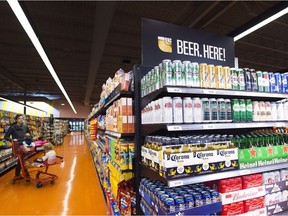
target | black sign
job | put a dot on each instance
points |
(167, 41)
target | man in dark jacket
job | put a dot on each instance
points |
(17, 130)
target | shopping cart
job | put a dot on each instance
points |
(37, 172)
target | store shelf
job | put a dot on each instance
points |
(185, 91)
(116, 94)
(5, 157)
(150, 173)
(101, 145)
(119, 135)
(99, 181)
(8, 168)
(150, 128)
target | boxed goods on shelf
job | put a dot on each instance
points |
(119, 116)
(187, 156)
(187, 200)
(121, 152)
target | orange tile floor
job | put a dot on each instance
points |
(76, 192)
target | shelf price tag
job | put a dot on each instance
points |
(174, 90)
(176, 183)
(206, 91)
(245, 172)
(280, 124)
(208, 126)
(241, 125)
(262, 125)
(174, 128)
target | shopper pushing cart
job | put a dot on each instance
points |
(17, 130)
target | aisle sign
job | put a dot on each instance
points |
(167, 41)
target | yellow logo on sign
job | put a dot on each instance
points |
(165, 44)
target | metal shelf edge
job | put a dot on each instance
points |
(149, 128)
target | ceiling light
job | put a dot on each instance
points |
(261, 24)
(14, 4)
(5, 99)
(62, 104)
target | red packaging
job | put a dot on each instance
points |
(253, 204)
(230, 185)
(233, 209)
(251, 181)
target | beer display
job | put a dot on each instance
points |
(193, 74)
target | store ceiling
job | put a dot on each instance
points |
(67, 29)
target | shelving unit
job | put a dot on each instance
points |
(100, 145)
(147, 129)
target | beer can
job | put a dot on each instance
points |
(187, 110)
(221, 109)
(265, 78)
(206, 110)
(235, 110)
(284, 83)
(256, 111)
(259, 81)
(149, 81)
(234, 79)
(227, 73)
(247, 75)
(197, 110)
(153, 80)
(177, 110)
(272, 83)
(220, 77)
(212, 75)
(160, 75)
(213, 109)
(268, 111)
(249, 114)
(274, 111)
(254, 85)
(241, 80)
(280, 111)
(186, 68)
(204, 75)
(167, 73)
(228, 116)
(177, 73)
(195, 74)
(242, 109)
(167, 110)
(157, 77)
(278, 82)
(262, 111)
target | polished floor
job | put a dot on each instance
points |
(76, 192)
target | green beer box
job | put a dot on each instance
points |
(262, 156)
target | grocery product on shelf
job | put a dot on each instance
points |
(184, 156)
(183, 200)
(205, 110)
(177, 73)
(119, 116)
(122, 82)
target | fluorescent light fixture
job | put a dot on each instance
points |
(62, 104)
(261, 24)
(14, 4)
(5, 99)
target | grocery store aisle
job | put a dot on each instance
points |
(76, 192)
